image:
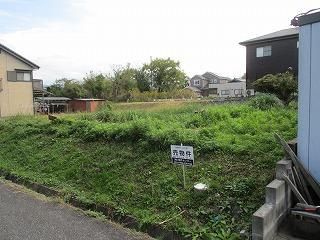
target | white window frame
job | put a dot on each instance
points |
(225, 92)
(264, 51)
(196, 82)
(238, 91)
(24, 76)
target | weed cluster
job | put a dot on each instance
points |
(120, 157)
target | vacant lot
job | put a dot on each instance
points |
(120, 156)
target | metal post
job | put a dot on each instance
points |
(184, 174)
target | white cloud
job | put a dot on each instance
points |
(202, 34)
(4, 13)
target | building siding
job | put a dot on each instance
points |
(16, 97)
(284, 55)
(309, 109)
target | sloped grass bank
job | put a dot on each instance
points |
(121, 158)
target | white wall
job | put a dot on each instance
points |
(232, 86)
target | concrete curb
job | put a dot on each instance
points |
(111, 213)
(268, 217)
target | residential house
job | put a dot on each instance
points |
(273, 53)
(213, 85)
(16, 92)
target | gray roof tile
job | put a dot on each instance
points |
(278, 34)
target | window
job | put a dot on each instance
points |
(196, 82)
(238, 91)
(264, 51)
(213, 91)
(215, 81)
(225, 92)
(23, 76)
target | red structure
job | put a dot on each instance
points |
(85, 105)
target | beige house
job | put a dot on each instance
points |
(16, 92)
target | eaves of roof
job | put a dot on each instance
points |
(18, 56)
(275, 36)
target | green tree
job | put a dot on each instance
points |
(97, 86)
(165, 74)
(56, 88)
(123, 81)
(283, 85)
(143, 81)
(64, 87)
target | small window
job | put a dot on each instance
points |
(215, 81)
(196, 82)
(264, 51)
(238, 91)
(225, 92)
(23, 76)
(213, 91)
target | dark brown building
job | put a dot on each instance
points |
(272, 53)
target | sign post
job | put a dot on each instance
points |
(182, 155)
(184, 176)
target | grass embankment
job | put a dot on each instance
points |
(121, 157)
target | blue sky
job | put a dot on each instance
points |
(69, 38)
(23, 14)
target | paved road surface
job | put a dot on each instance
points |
(27, 216)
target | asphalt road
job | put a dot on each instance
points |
(25, 215)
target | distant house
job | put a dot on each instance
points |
(213, 85)
(273, 53)
(16, 93)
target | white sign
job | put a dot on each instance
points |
(182, 155)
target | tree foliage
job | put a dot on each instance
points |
(283, 85)
(123, 80)
(70, 88)
(97, 86)
(162, 75)
(165, 74)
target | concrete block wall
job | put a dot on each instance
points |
(268, 217)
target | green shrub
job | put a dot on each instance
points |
(265, 101)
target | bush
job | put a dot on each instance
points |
(265, 102)
(283, 85)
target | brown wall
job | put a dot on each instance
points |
(84, 105)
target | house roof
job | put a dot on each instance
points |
(18, 56)
(211, 74)
(195, 89)
(89, 99)
(282, 34)
(198, 76)
(236, 80)
(53, 98)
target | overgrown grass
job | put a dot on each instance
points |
(121, 157)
